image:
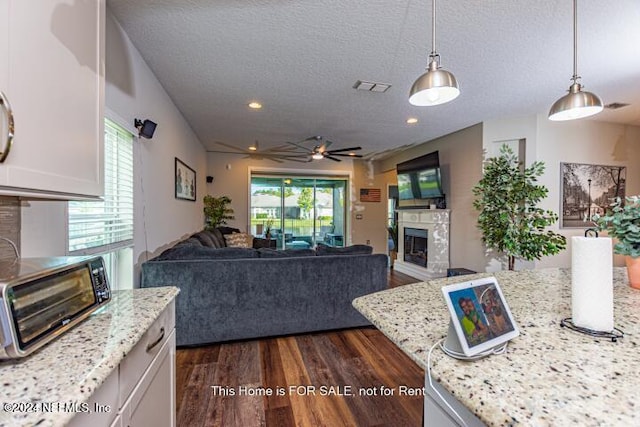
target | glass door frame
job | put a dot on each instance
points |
(277, 173)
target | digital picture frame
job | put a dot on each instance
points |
(480, 317)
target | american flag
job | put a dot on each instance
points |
(370, 195)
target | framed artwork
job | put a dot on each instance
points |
(185, 181)
(587, 190)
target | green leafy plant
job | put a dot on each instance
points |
(393, 232)
(217, 211)
(507, 197)
(622, 221)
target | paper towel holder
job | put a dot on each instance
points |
(589, 232)
(614, 335)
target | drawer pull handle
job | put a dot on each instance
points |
(156, 342)
(10, 127)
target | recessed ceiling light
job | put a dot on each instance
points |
(255, 105)
(412, 121)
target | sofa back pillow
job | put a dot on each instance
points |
(227, 230)
(218, 238)
(204, 238)
(205, 253)
(287, 253)
(347, 250)
(239, 240)
(191, 241)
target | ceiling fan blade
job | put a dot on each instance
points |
(345, 149)
(302, 147)
(240, 150)
(345, 155)
(328, 156)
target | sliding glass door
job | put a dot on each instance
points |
(299, 212)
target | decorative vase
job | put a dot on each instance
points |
(633, 270)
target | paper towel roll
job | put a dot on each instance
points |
(592, 283)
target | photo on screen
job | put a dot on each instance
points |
(480, 316)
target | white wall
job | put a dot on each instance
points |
(580, 141)
(132, 91)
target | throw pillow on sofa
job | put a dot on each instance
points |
(239, 240)
(347, 250)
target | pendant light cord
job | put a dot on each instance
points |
(433, 27)
(575, 41)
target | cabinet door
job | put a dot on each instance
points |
(4, 77)
(153, 401)
(56, 89)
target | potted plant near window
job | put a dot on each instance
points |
(393, 234)
(217, 211)
(623, 223)
(510, 220)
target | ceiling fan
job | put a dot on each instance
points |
(277, 154)
(321, 149)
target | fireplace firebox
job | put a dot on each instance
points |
(415, 246)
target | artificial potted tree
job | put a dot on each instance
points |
(510, 220)
(622, 221)
(217, 211)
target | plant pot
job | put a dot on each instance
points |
(633, 270)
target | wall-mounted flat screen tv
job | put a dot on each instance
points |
(419, 180)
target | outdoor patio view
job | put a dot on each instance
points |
(298, 212)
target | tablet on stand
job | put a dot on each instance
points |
(481, 322)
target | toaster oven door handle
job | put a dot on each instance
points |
(150, 346)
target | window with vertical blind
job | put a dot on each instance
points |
(105, 226)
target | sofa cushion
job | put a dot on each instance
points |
(347, 250)
(239, 240)
(218, 238)
(191, 241)
(227, 230)
(204, 252)
(204, 238)
(287, 253)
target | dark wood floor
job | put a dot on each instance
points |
(308, 376)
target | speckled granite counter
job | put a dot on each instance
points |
(72, 367)
(549, 376)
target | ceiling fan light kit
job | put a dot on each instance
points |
(436, 86)
(577, 103)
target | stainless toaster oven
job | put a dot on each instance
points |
(43, 297)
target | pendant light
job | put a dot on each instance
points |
(577, 103)
(436, 86)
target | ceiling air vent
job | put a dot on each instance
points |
(615, 105)
(371, 86)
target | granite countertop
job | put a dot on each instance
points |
(72, 367)
(549, 375)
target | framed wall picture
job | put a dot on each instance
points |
(185, 181)
(588, 190)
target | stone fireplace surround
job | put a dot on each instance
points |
(436, 222)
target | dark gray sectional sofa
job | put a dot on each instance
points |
(237, 293)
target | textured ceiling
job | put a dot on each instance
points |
(300, 58)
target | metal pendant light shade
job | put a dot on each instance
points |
(577, 103)
(436, 86)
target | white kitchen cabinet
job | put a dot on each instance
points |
(141, 390)
(52, 73)
(152, 402)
